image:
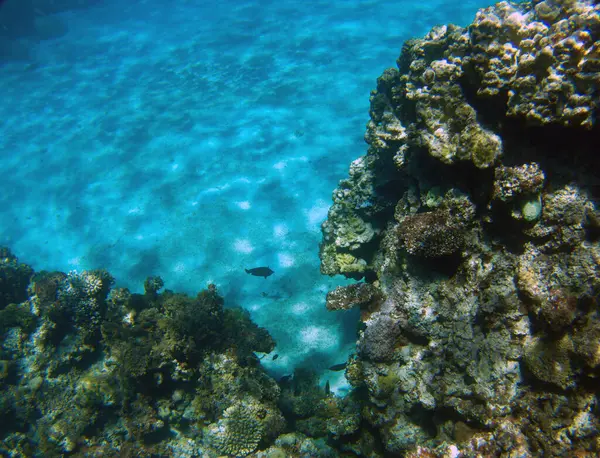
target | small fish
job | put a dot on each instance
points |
(260, 271)
(285, 378)
(327, 388)
(271, 296)
(275, 357)
(338, 367)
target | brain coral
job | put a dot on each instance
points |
(240, 429)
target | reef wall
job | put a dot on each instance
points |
(474, 220)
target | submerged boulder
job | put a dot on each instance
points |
(480, 328)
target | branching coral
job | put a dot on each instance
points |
(83, 295)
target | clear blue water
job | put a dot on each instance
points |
(194, 139)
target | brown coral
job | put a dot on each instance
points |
(431, 234)
(356, 295)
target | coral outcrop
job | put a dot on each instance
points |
(91, 370)
(473, 218)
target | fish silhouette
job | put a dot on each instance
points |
(338, 367)
(260, 271)
(285, 378)
(271, 296)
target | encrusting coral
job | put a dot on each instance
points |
(480, 326)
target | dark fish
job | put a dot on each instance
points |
(327, 388)
(275, 357)
(275, 296)
(260, 271)
(285, 378)
(338, 367)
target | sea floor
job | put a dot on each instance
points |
(192, 140)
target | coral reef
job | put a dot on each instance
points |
(473, 222)
(324, 425)
(482, 255)
(88, 370)
(243, 426)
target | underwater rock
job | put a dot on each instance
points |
(480, 185)
(342, 249)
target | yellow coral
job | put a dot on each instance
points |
(349, 264)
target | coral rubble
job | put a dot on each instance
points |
(473, 218)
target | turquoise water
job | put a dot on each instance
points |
(192, 140)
